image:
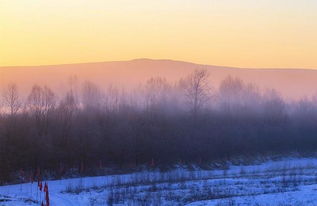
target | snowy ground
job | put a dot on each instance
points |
(282, 182)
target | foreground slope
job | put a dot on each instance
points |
(282, 182)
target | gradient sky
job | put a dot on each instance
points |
(243, 33)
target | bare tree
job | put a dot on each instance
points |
(91, 95)
(11, 99)
(73, 89)
(156, 92)
(112, 99)
(68, 106)
(66, 111)
(40, 102)
(197, 89)
(237, 96)
(230, 93)
(276, 106)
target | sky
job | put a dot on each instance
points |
(240, 33)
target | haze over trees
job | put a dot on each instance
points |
(291, 83)
(161, 123)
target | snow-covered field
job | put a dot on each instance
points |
(291, 181)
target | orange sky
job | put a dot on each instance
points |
(243, 33)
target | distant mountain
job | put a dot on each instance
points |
(292, 83)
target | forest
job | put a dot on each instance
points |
(158, 124)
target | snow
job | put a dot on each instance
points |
(289, 181)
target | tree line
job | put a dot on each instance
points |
(160, 123)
